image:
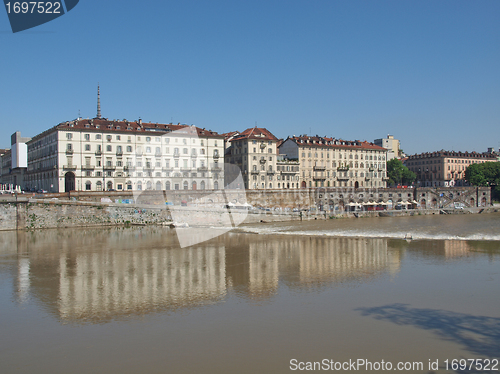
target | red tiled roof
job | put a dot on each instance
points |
(318, 141)
(124, 126)
(256, 133)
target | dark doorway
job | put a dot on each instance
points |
(69, 182)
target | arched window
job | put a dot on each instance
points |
(202, 185)
(158, 186)
(149, 185)
(99, 186)
(109, 185)
(185, 185)
(193, 186)
(167, 185)
(216, 185)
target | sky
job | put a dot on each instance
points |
(426, 72)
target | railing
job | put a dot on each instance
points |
(109, 167)
(119, 153)
(69, 167)
(342, 178)
(321, 178)
(343, 168)
(319, 168)
(202, 168)
(98, 152)
(69, 151)
(88, 167)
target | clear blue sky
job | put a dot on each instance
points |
(427, 72)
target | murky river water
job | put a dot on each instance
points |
(131, 301)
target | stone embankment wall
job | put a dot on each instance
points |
(81, 209)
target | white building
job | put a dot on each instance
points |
(14, 163)
(100, 154)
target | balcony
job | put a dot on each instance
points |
(88, 167)
(177, 155)
(69, 167)
(343, 178)
(371, 168)
(343, 168)
(385, 179)
(254, 172)
(262, 161)
(216, 155)
(111, 167)
(69, 151)
(322, 178)
(158, 154)
(270, 172)
(185, 169)
(194, 155)
(119, 153)
(202, 168)
(216, 168)
(368, 178)
(167, 169)
(98, 152)
(319, 168)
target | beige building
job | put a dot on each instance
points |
(444, 168)
(254, 151)
(100, 154)
(391, 144)
(330, 162)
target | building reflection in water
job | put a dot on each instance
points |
(102, 275)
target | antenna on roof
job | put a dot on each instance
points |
(98, 102)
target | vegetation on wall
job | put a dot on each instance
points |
(486, 174)
(399, 174)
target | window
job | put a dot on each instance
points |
(129, 148)
(108, 138)
(87, 137)
(87, 147)
(148, 139)
(69, 136)
(108, 148)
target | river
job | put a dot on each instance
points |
(267, 299)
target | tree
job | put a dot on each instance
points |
(398, 173)
(486, 174)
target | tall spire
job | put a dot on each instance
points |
(98, 102)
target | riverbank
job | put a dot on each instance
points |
(30, 214)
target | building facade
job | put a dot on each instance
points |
(254, 151)
(14, 164)
(444, 168)
(389, 143)
(330, 162)
(100, 154)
